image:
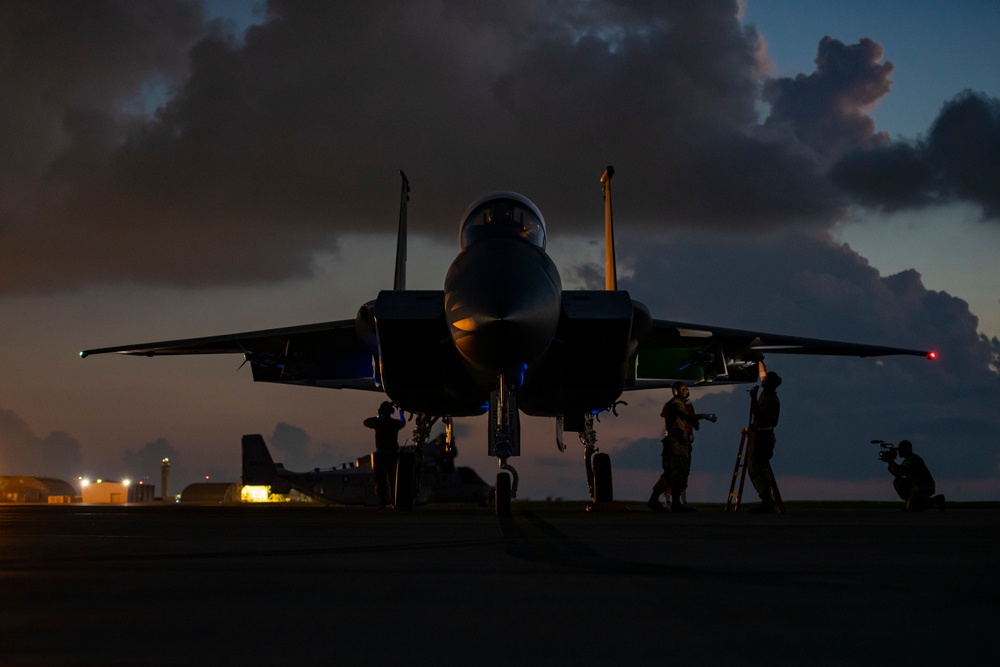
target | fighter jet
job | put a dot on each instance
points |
(438, 479)
(502, 337)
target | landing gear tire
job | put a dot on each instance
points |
(403, 494)
(501, 495)
(603, 490)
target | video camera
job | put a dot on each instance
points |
(888, 453)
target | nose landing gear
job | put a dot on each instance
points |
(504, 442)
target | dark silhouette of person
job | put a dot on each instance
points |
(913, 482)
(386, 449)
(680, 421)
(766, 411)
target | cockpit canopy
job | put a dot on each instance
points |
(504, 215)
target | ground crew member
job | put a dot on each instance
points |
(765, 417)
(386, 449)
(680, 421)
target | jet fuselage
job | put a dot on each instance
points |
(505, 315)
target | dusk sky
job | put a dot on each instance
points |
(181, 169)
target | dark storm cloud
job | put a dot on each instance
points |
(63, 62)
(804, 285)
(267, 148)
(959, 160)
(22, 452)
(262, 151)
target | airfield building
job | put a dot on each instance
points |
(22, 489)
(211, 493)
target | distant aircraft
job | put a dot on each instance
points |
(438, 479)
(503, 337)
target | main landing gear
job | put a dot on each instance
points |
(411, 462)
(597, 464)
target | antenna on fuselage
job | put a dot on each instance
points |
(399, 283)
(610, 269)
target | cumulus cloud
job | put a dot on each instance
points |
(828, 109)
(22, 452)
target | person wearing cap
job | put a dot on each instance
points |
(765, 417)
(680, 421)
(386, 449)
(913, 482)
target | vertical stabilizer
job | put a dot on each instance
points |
(610, 268)
(258, 466)
(399, 283)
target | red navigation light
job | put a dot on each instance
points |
(932, 355)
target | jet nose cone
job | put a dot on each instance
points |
(502, 307)
(519, 322)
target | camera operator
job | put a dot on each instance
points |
(913, 481)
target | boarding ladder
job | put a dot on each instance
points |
(739, 473)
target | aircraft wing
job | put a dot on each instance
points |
(672, 351)
(326, 354)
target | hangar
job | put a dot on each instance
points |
(211, 493)
(24, 489)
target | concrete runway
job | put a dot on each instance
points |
(554, 585)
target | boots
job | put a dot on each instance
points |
(654, 503)
(677, 506)
(765, 507)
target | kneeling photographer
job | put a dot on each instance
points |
(913, 481)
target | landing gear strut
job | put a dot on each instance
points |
(410, 463)
(504, 442)
(598, 464)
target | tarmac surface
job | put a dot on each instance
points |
(553, 585)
